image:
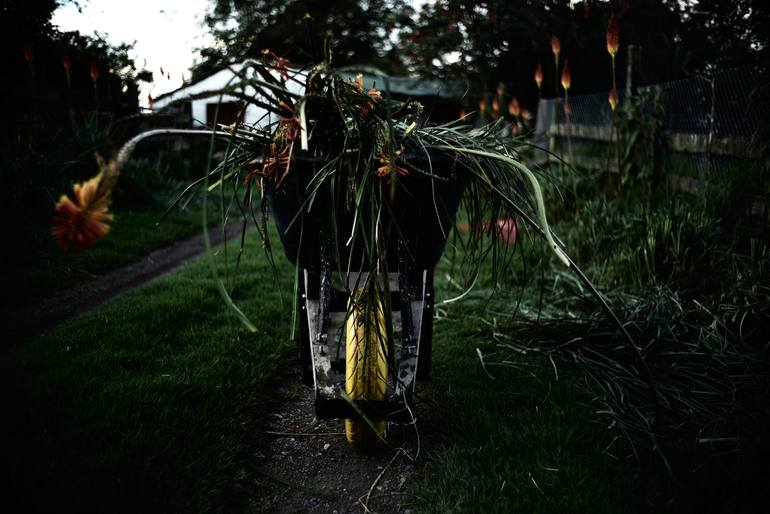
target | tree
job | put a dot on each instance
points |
(502, 40)
(57, 90)
(362, 31)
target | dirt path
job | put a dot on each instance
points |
(309, 466)
(26, 321)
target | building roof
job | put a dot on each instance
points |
(401, 86)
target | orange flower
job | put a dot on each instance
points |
(384, 170)
(495, 105)
(374, 93)
(566, 76)
(500, 89)
(513, 108)
(94, 73)
(555, 46)
(65, 61)
(278, 62)
(79, 222)
(360, 82)
(538, 75)
(613, 36)
(482, 105)
(613, 99)
(276, 166)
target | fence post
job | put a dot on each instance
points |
(633, 68)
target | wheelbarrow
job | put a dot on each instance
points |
(362, 350)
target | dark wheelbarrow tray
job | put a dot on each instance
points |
(424, 209)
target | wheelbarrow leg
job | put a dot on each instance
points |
(303, 341)
(426, 329)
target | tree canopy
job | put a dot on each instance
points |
(362, 31)
(493, 41)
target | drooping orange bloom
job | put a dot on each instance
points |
(276, 165)
(65, 61)
(79, 222)
(566, 76)
(482, 105)
(384, 170)
(513, 107)
(538, 75)
(367, 106)
(495, 105)
(94, 73)
(555, 46)
(613, 36)
(613, 99)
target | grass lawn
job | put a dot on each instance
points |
(155, 401)
(523, 441)
(152, 402)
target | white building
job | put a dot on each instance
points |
(203, 102)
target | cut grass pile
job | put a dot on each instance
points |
(152, 402)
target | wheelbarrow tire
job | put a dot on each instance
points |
(366, 372)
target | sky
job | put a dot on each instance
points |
(165, 33)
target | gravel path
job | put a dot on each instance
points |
(309, 466)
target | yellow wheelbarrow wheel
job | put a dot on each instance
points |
(366, 367)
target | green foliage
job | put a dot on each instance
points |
(361, 31)
(154, 402)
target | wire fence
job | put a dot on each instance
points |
(709, 123)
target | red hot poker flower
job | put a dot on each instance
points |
(513, 108)
(81, 221)
(94, 73)
(500, 89)
(555, 46)
(538, 75)
(613, 99)
(566, 76)
(613, 36)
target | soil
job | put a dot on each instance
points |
(309, 466)
(29, 320)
